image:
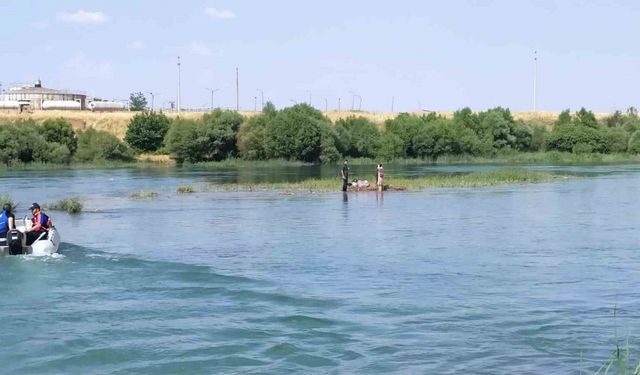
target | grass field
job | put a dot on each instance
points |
(116, 122)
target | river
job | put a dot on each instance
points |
(519, 279)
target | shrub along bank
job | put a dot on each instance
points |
(302, 133)
(55, 142)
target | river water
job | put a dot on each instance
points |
(519, 279)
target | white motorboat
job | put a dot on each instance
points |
(14, 243)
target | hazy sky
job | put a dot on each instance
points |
(440, 55)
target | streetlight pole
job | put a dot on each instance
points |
(309, 97)
(213, 91)
(261, 97)
(152, 99)
(393, 99)
(179, 88)
(255, 103)
(237, 91)
(535, 81)
(339, 102)
(326, 105)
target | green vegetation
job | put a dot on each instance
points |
(476, 179)
(147, 130)
(96, 145)
(137, 101)
(302, 133)
(211, 138)
(7, 199)
(71, 205)
(620, 362)
(143, 195)
(186, 189)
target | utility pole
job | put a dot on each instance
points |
(309, 98)
(261, 97)
(359, 103)
(237, 91)
(213, 91)
(153, 96)
(179, 88)
(535, 81)
(353, 102)
(393, 99)
(255, 103)
(339, 100)
(326, 105)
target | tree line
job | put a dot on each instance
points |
(305, 134)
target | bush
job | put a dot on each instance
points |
(61, 132)
(390, 147)
(213, 138)
(181, 141)
(70, 205)
(566, 137)
(146, 131)
(251, 138)
(296, 133)
(405, 127)
(96, 145)
(539, 137)
(634, 143)
(357, 137)
(617, 140)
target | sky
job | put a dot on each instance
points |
(418, 55)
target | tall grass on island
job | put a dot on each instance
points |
(71, 205)
(144, 194)
(476, 179)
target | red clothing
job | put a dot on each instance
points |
(41, 222)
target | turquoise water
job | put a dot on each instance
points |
(512, 279)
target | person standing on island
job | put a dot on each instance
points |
(379, 176)
(345, 176)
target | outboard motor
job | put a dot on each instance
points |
(14, 241)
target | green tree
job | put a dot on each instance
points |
(146, 131)
(251, 138)
(585, 118)
(296, 133)
(137, 101)
(96, 145)
(60, 131)
(357, 137)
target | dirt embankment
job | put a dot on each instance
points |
(116, 122)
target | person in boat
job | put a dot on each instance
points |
(7, 220)
(41, 223)
(345, 176)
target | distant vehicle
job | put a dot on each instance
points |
(66, 105)
(10, 104)
(107, 106)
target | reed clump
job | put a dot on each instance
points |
(144, 194)
(185, 189)
(72, 205)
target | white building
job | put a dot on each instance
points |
(37, 97)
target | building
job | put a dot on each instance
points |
(37, 97)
